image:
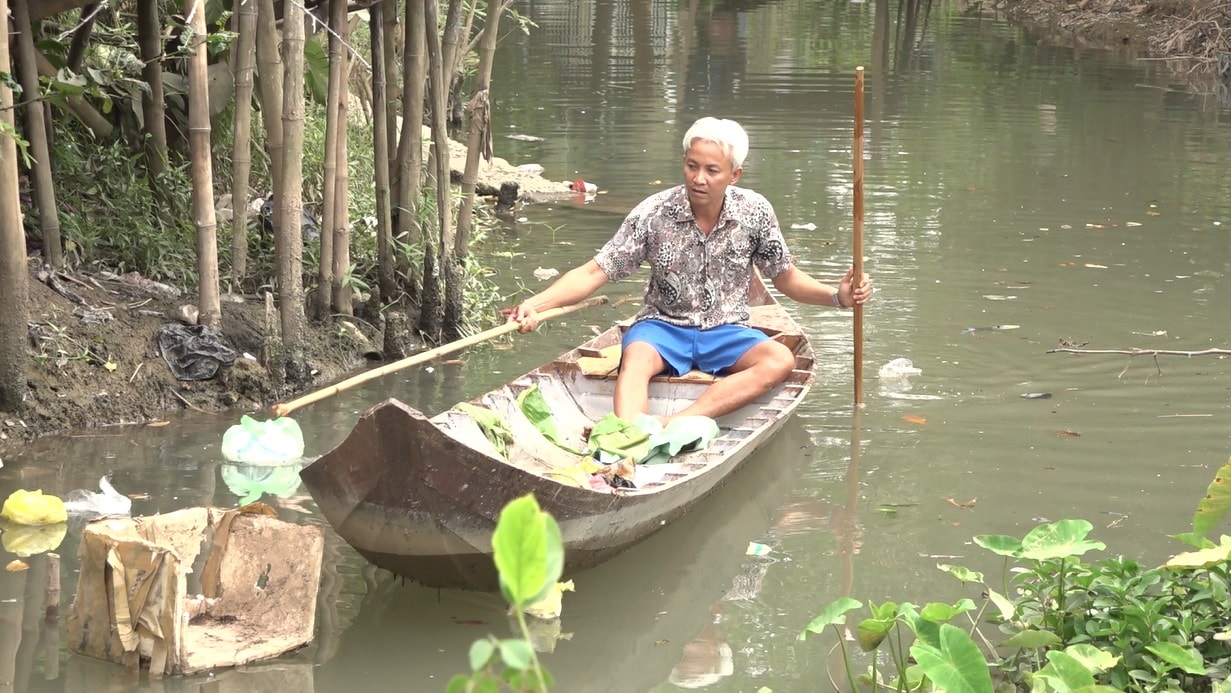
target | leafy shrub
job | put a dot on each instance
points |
(1069, 625)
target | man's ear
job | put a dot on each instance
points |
(736, 174)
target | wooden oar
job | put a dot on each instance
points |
(858, 249)
(421, 357)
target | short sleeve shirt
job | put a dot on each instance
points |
(697, 280)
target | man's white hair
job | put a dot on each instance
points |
(727, 134)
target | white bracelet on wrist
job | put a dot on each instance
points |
(836, 300)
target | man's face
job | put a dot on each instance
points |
(707, 173)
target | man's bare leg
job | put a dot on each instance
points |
(639, 363)
(756, 372)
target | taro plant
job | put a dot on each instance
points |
(1066, 625)
(529, 556)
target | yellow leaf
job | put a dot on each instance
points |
(111, 366)
(911, 418)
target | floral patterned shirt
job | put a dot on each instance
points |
(697, 280)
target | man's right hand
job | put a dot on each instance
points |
(526, 316)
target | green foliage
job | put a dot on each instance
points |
(1066, 625)
(529, 555)
(115, 218)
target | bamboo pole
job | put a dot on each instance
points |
(858, 244)
(36, 133)
(422, 357)
(202, 166)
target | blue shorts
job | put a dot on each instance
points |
(686, 348)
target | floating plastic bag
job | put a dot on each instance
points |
(263, 442)
(33, 508)
(899, 368)
(88, 504)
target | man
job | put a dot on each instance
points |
(701, 241)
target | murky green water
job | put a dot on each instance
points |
(1071, 194)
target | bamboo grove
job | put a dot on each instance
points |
(412, 66)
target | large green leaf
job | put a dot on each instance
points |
(1032, 639)
(832, 615)
(1094, 659)
(1203, 558)
(528, 552)
(872, 631)
(961, 573)
(1216, 503)
(534, 405)
(1186, 659)
(941, 612)
(957, 665)
(1063, 673)
(1059, 540)
(1000, 544)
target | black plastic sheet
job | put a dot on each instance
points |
(194, 352)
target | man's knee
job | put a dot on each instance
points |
(641, 357)
(774, 359)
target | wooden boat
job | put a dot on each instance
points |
(420, 496)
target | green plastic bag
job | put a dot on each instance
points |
(263, 442)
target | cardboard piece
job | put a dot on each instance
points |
(258, 581)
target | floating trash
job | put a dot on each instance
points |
(899, 368)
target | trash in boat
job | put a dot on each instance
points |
(899, 368)
(140, 604)
(88, 504)
(33, 508)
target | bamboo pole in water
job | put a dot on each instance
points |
(858, 244)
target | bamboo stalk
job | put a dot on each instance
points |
(422, 357)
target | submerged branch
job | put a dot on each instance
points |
(1141, 352)
(1153, 353)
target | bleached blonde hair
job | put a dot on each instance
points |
(727, 134)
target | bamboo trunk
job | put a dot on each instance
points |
(269, 86)
(341, 209)
(432, 313)
(288, 238)
(153, 102)
(409, 188)
(36, 134)
(12, 253)
(201, 154)
(381, 146)
(245, 60)
(333, 126)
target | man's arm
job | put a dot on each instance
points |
(572, 286)
(800, 286)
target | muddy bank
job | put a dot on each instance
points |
(1194, 36)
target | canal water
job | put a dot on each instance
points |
(1018, 198)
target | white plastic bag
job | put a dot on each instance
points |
(899, 368)
(109, 503)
